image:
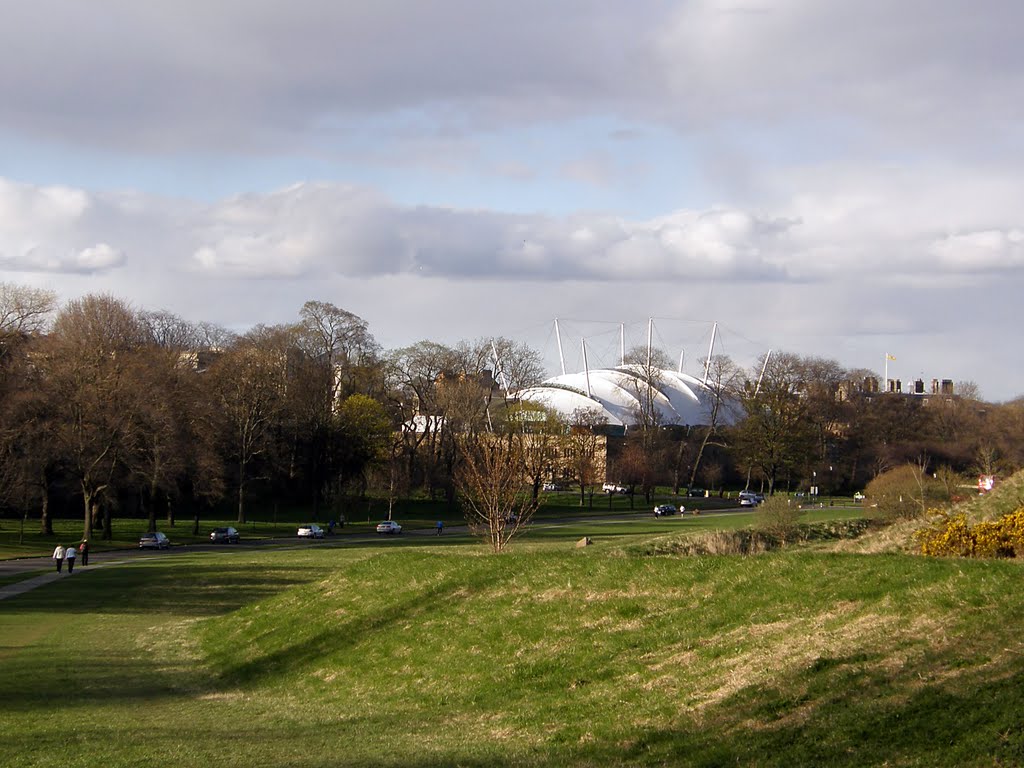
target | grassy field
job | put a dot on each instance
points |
(400, 655)
(23, 538)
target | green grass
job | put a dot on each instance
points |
(402, 655)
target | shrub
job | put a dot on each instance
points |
(778, 517)
(905, 492)
(953, 536)
(950, 535)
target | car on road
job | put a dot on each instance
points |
(858, 496)
(615, 488)
(311, 531)
(696, 493)
(224, 536)
(664, 510)
(154, 541)
(553, 487)
(389, 526)
(750, 498)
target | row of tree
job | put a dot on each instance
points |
(117, 411)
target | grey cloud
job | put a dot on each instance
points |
(165, 76)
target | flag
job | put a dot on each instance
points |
(889, 357)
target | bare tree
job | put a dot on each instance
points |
(490, 483)
(582, 447)
(92, 402)
(250, 380)
(722, 400)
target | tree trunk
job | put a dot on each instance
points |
(87, 504)
(95, 512)
(241, 493)
(45, 521)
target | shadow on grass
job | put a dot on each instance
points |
(169, 586)
(345, 634)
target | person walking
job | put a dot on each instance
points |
(58, 556)
(83, 550)
(69, 555)
(440, 527)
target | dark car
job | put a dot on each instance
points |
(224, 536)
(154, 541)
(664, 510)
(696, 493)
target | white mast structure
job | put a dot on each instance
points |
(763, 369)
(561, 356)
(711, 349)
(499, 368)
(586, 368)
(622, 343)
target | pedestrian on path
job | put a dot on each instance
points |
(58, 556)
(440, 527)
(83, 550)
(69, 555)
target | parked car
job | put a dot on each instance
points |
(553, 487)
(311, 531)
(696, 493)
(389, 526)
(224, 536)
(615, 488)
(664, 510)
(154, 541)
(750, 499)
(858, 496)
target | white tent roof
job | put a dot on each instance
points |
(616, 393)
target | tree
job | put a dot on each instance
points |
(776, 435)
(92, 404)
(249, 381)
(24, 311)
(719, 405)
(490, 484)
(365, 430)
(582, 446)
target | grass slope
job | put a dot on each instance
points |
(541, 657)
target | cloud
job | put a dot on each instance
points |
(306, 231)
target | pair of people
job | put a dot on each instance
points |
(62, 553)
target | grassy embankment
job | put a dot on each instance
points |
(547, 656)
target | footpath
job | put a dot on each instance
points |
(33, 564)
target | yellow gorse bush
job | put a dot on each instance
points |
(953, 536)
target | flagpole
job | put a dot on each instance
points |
(885, 383)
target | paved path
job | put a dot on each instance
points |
(29, 565)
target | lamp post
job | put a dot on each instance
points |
(814, 485)
(830, 485)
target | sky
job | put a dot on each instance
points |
(828, 178)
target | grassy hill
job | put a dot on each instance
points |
(548, 656)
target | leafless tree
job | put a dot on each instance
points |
(582, 444)
(250, 380)
(490, 483)
(92, 401)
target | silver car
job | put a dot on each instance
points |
(154, 541)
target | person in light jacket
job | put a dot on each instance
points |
(58, 556)
(69, 555)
